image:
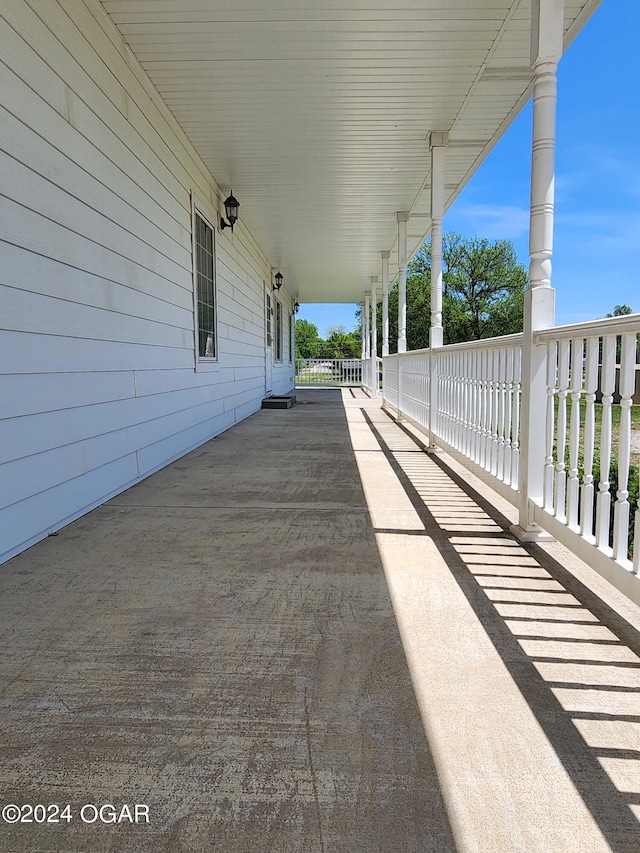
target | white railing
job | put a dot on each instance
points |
(590, 468)
(367, 374)
(479, 387)
(466, 399)
(372, 375)
(329, 372)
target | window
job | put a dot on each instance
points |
(267, 318)
(278, 331)
(205, 289)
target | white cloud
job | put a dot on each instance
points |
(494, 221)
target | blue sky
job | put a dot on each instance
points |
(596, 260)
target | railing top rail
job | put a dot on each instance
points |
(592, 329)
(483, 343)
(486, 343)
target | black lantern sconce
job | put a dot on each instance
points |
(296, 307)
(231, 207)
(278, 278)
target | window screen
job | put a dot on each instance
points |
(207, 344)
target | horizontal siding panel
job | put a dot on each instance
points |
(150, 382)
(29, 149)
(26, 522)
(114, 165)
(40, 392)
(68, 461)
(100, 387)
(28, 353)
(26, 270)
(112, 105)
(150, 117)
(26, 65)
(237, 399)
(26, 228)
(145, 423)
(244, 411)
(232, 348)
(146, 112)
(23, 477)
(36, 193)
(252, 372)
(153, 457)
(21, 310)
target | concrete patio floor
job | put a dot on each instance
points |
(310, 635)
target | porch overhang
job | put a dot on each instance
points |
(318, 116)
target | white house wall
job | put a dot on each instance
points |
(98, 379)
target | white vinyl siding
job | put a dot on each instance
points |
(97, 385)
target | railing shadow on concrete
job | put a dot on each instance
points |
(574, 659)
(579, 480)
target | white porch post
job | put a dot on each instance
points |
(374, 316)
(437, 143)
(374, 336)
(403, 218)
(547, 29)
(362, 330)
(385, 303)
(367, 327)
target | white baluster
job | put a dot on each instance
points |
(468, 372)
(561, 432)
(475, 411)
(515, 418)
(502, 393)
(508, 404)
(573, 485)
(607, 385)
(590, 388)
(549, 471)
(621, 509)
(495, 399)
(488, 390)
(636, 543)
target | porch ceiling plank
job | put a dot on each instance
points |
(318, 115)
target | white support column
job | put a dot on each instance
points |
(385, 303)
(547, 30)
(367, 327)
(403, 219)
(374, 336)
(437, 142)
(362, 330)
(374, 316)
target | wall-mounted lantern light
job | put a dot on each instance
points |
(278, 278)
(231, 207)
(296, 307)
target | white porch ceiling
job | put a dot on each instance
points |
(317, 114)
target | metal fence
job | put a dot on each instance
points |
(328, 372)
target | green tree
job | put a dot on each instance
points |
(483, 292)
(620, 311)
(341, 343)
(308, 342)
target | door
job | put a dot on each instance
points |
(268, 349)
